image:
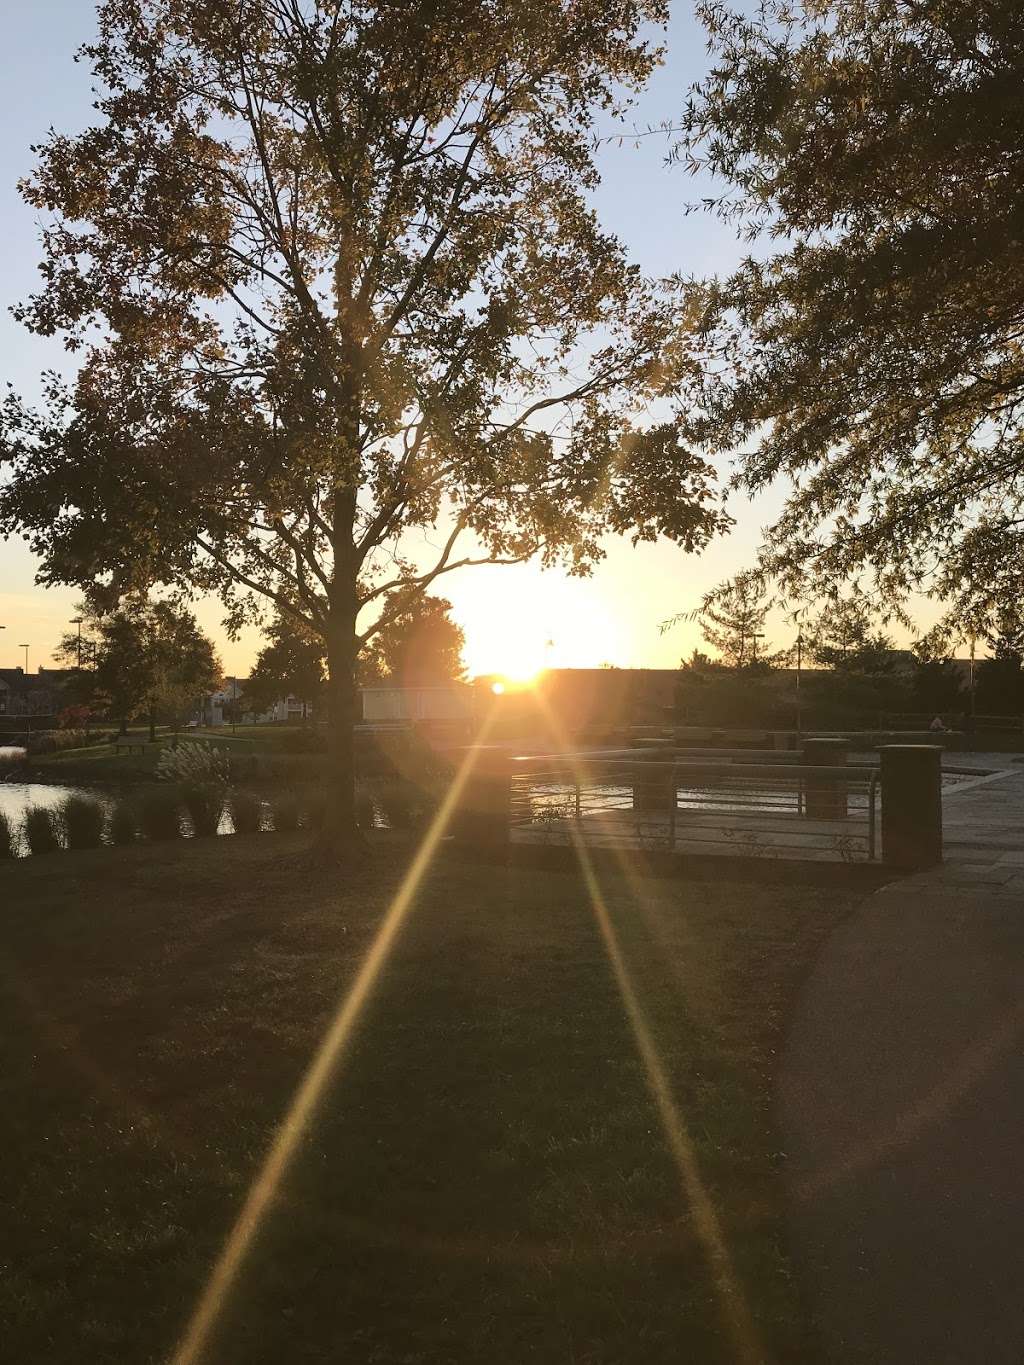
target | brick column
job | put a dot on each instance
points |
(825, 796)
(483, 814)
(911, 805)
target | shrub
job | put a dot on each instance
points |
(160, 814)
(285, 812)
(82, 818)
(366, 811)
(205, 806)
(403, 805)
(304, 741)
(314, 808)
(8, 841)
(124, 823)
(193, 765)
(246, 811)
(41, 830)
(56, 741)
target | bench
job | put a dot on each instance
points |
(132, 745)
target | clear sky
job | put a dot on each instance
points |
(508, 614)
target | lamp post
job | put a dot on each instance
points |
(25, 648)
(77, 621)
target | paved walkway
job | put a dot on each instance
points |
(901, 1102)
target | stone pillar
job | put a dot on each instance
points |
(482, 818)
(911, 805)
(824, 797)
(654, 785)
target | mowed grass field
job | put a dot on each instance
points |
(487, 1179)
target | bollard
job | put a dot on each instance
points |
(911, 805)
(825, 797)
(482, 818)
(654, 787)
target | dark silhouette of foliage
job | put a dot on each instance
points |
(421, 644)
(41, 831)
(876, 357)
(83, 819)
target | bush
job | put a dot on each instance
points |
(160, 814)
(8, 840)
(246, 811)
(304, 741)
(285, 812)
(56, 741)
(366, 810)
(124, 824)
(193, 765)
(41, 830)
(205, 806)
(403, 804)
(82, 818)
(314, 808)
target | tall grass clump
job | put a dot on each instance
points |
(82, 818)
(404, 804)
(366, 811)
(201, 773)
(285, 812)
(124, 823)
(205, 806)
(193, 764)
(41, 832)
(314, 808)
(246, 811)
(8, 839)
(160, 814)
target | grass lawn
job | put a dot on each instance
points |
(487, 1180)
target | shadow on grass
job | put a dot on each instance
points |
(487, 1179)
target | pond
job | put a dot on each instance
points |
(17, 797)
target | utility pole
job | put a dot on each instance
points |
(799, 675)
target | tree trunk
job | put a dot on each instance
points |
(152, 726)
(340, 839)
(122, 725)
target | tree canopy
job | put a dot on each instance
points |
(875, 356)
(333, 278)
(148, 659)
(291, 663)
(421, 645)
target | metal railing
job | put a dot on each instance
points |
(775, 810)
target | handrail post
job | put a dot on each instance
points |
(825, 796)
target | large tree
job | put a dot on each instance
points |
(149, 660)
(875, 359)
(333, 277)
(419, 645)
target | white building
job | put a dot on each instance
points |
(389, 705)
(218, 707)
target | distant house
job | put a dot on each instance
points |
(32, 694)
(228, 705)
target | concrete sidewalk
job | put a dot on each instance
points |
(901, 1103)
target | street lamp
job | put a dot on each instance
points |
(25, 648)
(77, 621)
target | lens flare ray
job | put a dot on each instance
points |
(735, 1310)
(321, 1071)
